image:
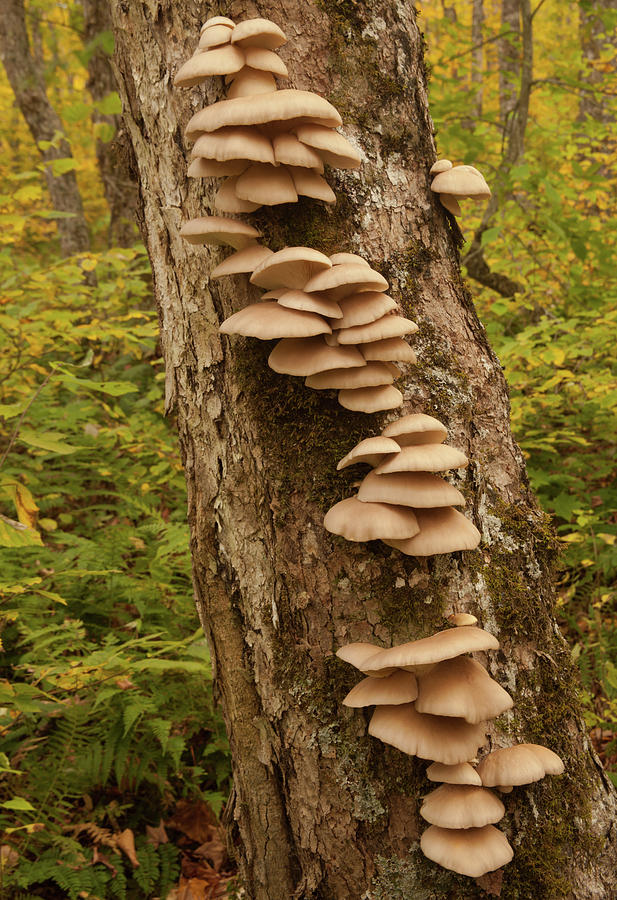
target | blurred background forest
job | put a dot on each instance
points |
(115, 762)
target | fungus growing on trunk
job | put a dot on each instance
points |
(452, 182)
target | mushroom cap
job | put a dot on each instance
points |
(220, 61)
(468, 851)
(461, 687)
(289, 151)
(357, 521)
(291, 267)
(309, 183)
(294, 299)
(461, 181)
(449, 202)
(356, 655)
(439, 646)
(218, 230)
(370, 450)
(306, 356)
(234, 143)
(214, 36)
(459, 619)
(217, 20)
(338, 259)
(387, 326)
(250, 82)
(462, 806)
(416, 428)
(423, 458)
(266, 184)
(372, 374)
(269, 320)
(521, 764)
(266, 61)
(241, 261)
(368, 306)
(227, 200)
(430, 737)
(461, 773)
(442, 165)
(349, 278)
(421, 490)
(388, 349)
(370, 399)
(286, 105)
(400, 687)
(212, 168)
(333, 148)
(442, 530)
(258, 33)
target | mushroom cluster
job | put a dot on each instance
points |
(453, 182)
(270, 145)
(433, 700)
(402, 501)
(334, 324)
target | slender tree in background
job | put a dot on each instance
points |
(509, 57)
(24, 72)
(477, 54)
(320, 809)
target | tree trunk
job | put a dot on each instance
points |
(509, 57)
(321, 810)
(120, 189)
(25, 76)
(597, 35)
(477, 54)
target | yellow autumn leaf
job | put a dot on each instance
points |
(27, 509)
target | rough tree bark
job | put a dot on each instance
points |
(25, 76)
(321, 810)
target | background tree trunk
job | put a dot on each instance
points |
(321, 810)
(509, 57)
(25, 75)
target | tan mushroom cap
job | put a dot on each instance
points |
(218, 230)
(521, 764)
(370, 399)
(220, 61)
(269, 321)
(459, 619)
(461, 773)
(360, 309)
(212, 168)
(226, 199)
(462, 806)
(243, 260)
(357, 521)
(250, 82)
(429, 737)
(291, 267)
(370, 450)
(295, 299)
(258, 33)
(388, 349)
(338, 259)
(387, 326)
(306, 356)
(217, 20)
(468, 851)
(423, 458)
(439, 646)
(442, 530)
(350, 278)
(420, 490)
(234, 144)
(442, 165)
(289, 151)
(357, 653)
(214, 36)
(461, 687)
(266, 185)
(285, 105)
(416, 428)
(400, 687)
(265, 61)
(461, 181)
(333, 148)
(309, 183)
(451, 204)
(371, 375)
